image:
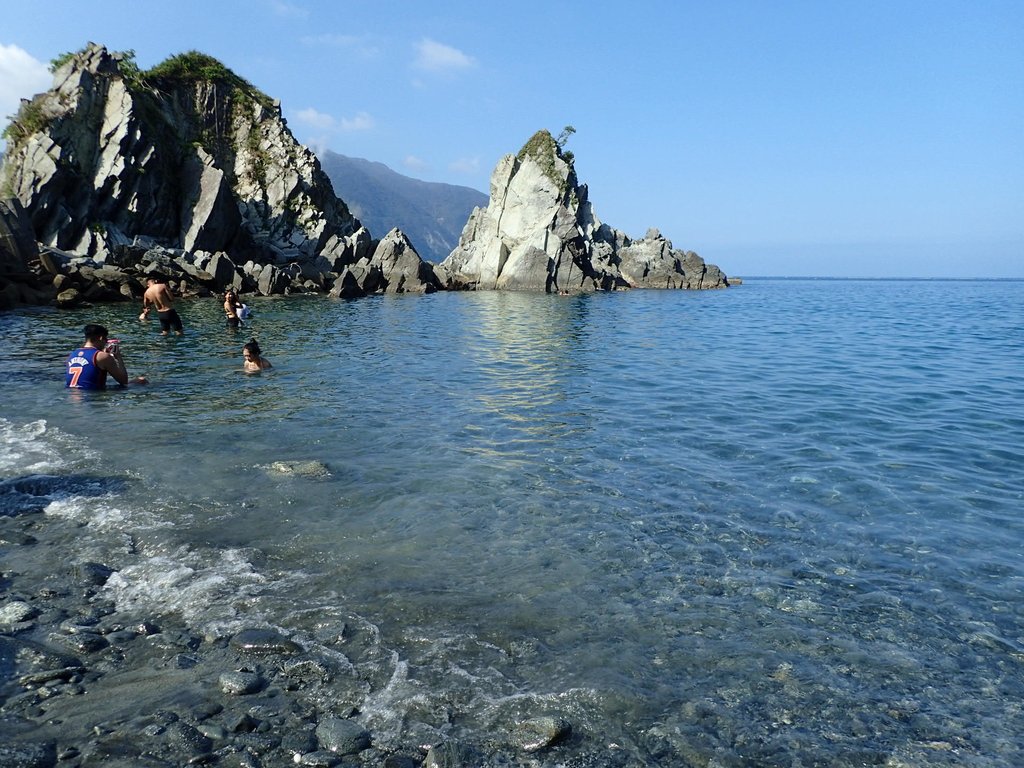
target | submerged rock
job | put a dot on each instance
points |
(539, 732)
(264, 641)
(314, 469)
(345, 737)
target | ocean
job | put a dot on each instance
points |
(780, 524)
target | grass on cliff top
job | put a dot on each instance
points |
(544, 149)
(193, 66)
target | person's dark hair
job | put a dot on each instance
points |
(253, 347)
(93, 331)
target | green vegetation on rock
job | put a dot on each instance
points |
(31, 118)
(544, 149)
(194, 66)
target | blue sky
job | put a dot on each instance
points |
(845, 138)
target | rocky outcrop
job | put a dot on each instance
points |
(112, 162)
(394, 267)
(539, 232)
(188, 170)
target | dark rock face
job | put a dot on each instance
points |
(18, 284)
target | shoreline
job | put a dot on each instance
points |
(83, 683)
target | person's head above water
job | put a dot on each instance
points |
(251, 350)
(94, 333)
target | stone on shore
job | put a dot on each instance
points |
(345, 737)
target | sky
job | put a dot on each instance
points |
(842, 138)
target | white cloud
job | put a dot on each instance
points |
(360, 45)
(465, 165)
(289, 10)
(414, 163)
(318, 145)
(361, 122)
(438, 57)
(21, 77)
(315, 119)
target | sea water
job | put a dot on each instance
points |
(780, 524)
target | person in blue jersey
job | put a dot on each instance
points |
(88, 366)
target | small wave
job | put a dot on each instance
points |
(36, 448)
(209, 589)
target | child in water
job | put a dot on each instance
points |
(253, 362)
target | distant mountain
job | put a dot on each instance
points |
(432, 215)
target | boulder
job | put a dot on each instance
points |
(395, 267)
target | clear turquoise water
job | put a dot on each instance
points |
(774, 525)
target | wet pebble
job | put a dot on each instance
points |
(263, 641)
(319, 759)
(186, 738)
(540, 732)
(95, 574)
(81, 642)
(15, 611)
(450, 754)
(241, 682)
(345, 737)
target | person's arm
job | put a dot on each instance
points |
(113, 365)
(230, 309)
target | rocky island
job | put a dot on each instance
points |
(189, 171)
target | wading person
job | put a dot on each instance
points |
(160, 296)
(87, 367)
(233, 309)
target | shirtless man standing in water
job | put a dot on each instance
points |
(160, 296)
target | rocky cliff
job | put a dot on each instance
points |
(539, 232)
(188, 171)
(175, 169)
(188, 155)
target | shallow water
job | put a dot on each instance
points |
(773, 525)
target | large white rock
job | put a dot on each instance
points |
(539, 232)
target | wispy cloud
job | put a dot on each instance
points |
(414, 163)
(321, 121)
(433, 56)
(361, 122)
(465, 165)
(289, 10)
(315, 119)
(360, 45)
(21, 77)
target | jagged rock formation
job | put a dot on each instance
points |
(539, 232)
(394, 267)
(189, 171)
(187, 159)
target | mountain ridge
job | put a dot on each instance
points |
(431, 214)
